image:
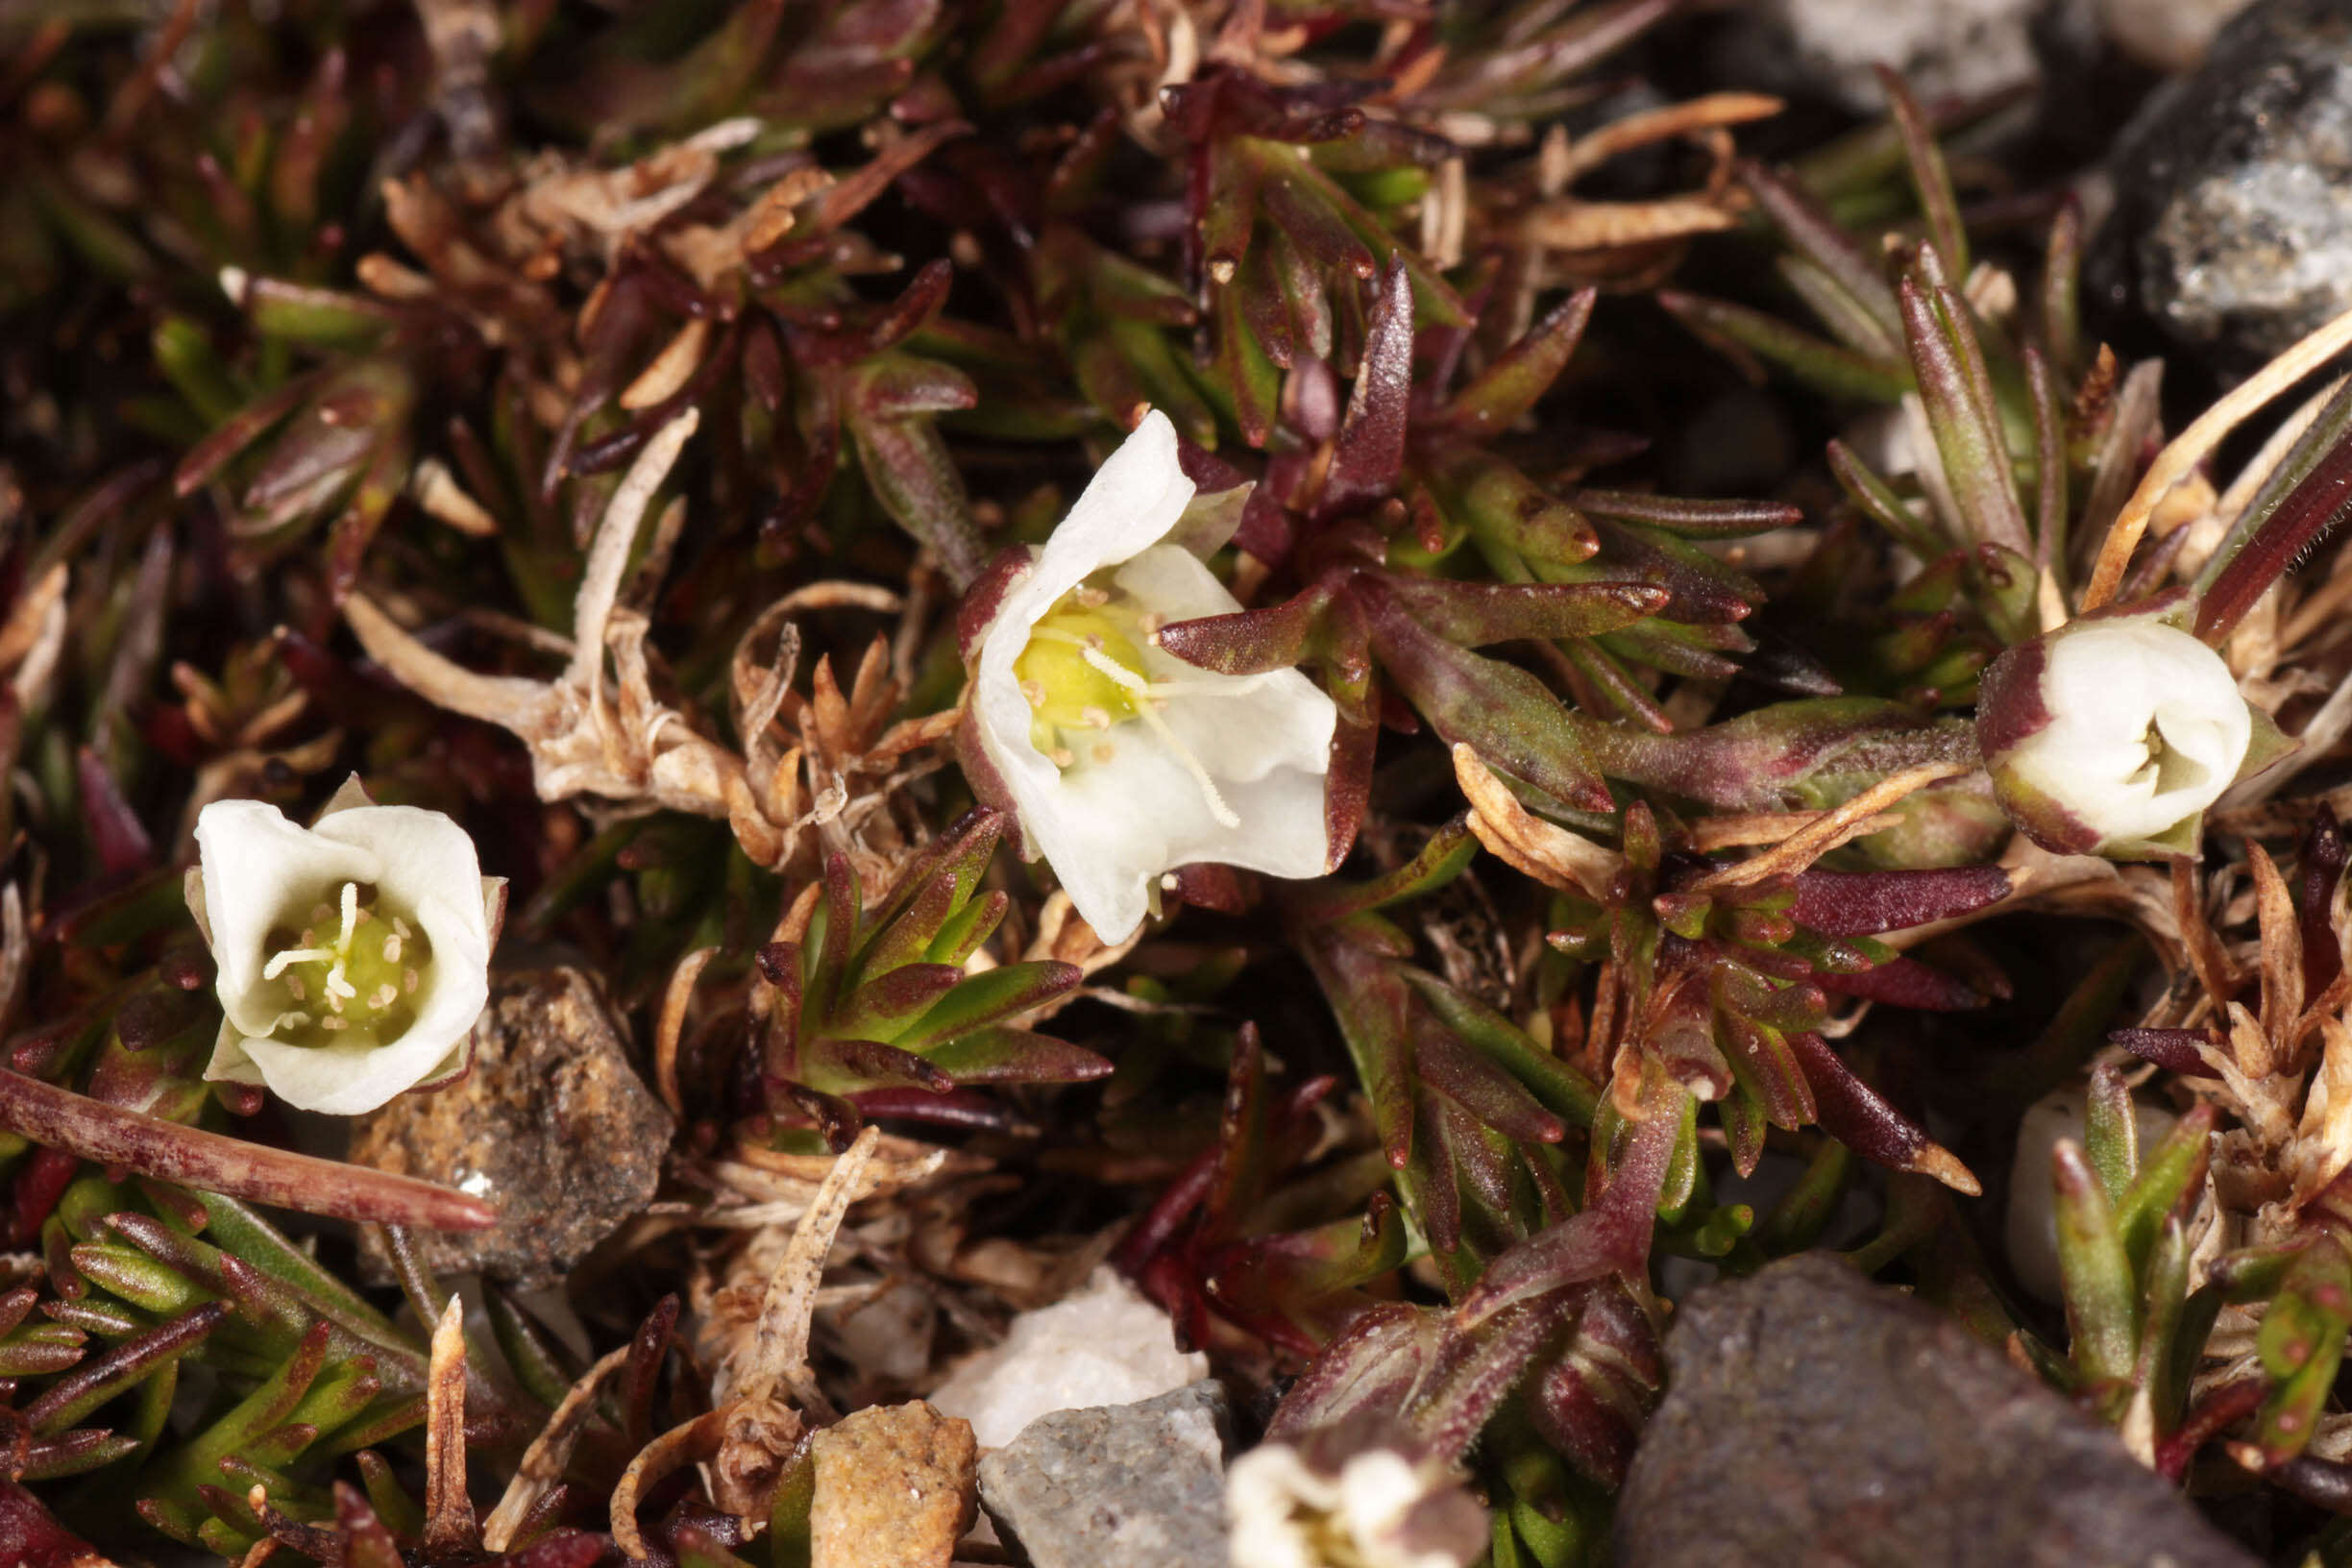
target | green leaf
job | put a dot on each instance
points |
(988, 997)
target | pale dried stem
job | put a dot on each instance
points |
(450, 1528)
(777, 1355)
(2182, 455)
(543, 1462)
(1837, 826)
(672, 1023)
(1709, 834)
(1629, 131)
(1544, 850)
(608, 556)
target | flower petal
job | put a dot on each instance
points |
(1131, 503)
(345, 1080)
(261, 871)
(429, 866)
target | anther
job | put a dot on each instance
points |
(1104, 751)
(392, 949)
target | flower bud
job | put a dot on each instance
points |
(2112, 735)
(353, 955)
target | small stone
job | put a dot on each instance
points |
(893, 1489)
(2232, 230)
(1137, 1485)
(1851, 1424)
(551, 1124)
(1105, 1345)
(1942, 48)
(2165, 35)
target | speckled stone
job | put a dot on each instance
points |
(893, 1489)
(1140, 1485)
(2231, 231)
(553, 1124)
(1861, 1428)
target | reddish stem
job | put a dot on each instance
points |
(109, 1134)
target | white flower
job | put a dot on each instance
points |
(1121, 761)
(2112, 736)
(354, 956)
(1290, 1508)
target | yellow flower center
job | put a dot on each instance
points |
(350, 974)
(1084, 675)
(1067, 690)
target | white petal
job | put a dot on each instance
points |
(428, 864)
(1131, 503)
(261, 871)
(230, 1064)
(346, 1080)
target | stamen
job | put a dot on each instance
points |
(1035, 691)
(1104, 751)
(1093, 598)
(1217, 808)
(277, 965)
(392, 949)
(400, 927)
(294, 988)
(1148, 712)
(1063, 756)
(408, 981)
(1094, 717)
(385, 996)
(334, 1023)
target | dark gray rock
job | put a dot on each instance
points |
(551, 1123)
(1139, 1485)
(2231, 231)
(1813, 1418)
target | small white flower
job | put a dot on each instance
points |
(2112, 736)
(1121, 761)
(354, 956)
(1373, 1509)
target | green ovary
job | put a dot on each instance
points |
(350, 975)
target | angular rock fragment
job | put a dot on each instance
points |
(893, 1489)
(1813, 1417)
(552, 1125)
(1140, 1485)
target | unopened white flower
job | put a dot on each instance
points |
(354, 956)
(1121, 761)
(1293, 1507)
(2112, 736)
